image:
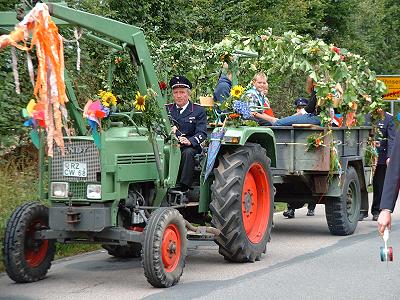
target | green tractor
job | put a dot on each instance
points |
(121, 195)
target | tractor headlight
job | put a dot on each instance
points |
(59, 189)
(93, 191)
(232, 139)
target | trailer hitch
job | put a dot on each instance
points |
(73, 217)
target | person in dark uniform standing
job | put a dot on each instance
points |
(384, 144)
(190, 127)
(390, 188)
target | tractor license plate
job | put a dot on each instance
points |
(75, 169)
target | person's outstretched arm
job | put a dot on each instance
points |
(391, 187)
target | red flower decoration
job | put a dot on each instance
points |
(162, 85)
(318, 142)
(336, 49)
(234, 116)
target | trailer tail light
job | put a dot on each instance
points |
(93, 191)
(59, 189)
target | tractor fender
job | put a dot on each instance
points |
(259, 135)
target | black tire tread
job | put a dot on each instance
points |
(13, 251)
(335, 208)
(151, 250)
(226, 212)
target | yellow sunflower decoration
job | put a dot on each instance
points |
(107, 98)
(237, 91)
(140, 101)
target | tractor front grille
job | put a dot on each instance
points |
(78, 190)
(130, 159)
(76, 151)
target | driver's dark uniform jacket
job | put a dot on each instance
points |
(191, 123)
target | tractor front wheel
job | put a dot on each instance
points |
(27, 259)
(242, 203)
(164, 247)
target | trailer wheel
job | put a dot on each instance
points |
(27, 259)
(342, 213)
(164, 247)
(130, 251)
(242, 203)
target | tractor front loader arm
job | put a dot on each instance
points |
(129, 36)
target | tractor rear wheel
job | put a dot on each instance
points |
(27, 259)
(164, 247)
(242, 203)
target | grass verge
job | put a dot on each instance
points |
(280, 206)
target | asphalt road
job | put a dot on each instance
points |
(303, 261)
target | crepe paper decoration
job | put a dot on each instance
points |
(50, 86)
(30, 68)
(94, 112)
(78, 35)
(350, 119)
(337, 119)
(35, 114)
(15, 70)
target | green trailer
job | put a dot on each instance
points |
(302, 176)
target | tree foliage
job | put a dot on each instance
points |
(180, 31)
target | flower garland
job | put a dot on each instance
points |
(343, 79)
(316, 141)
(334, 162)
(371, 153)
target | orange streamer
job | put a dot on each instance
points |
(49, 89)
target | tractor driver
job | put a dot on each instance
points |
(190, 127)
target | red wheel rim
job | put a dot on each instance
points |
(171, 247)
(35, 250)
(255, 202)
